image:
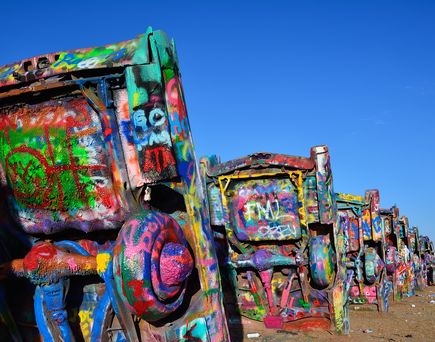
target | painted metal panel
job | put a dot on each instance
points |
(148, 127)
(109, 56)
(353, 234)
(264, 209)
(59, 167)
(326, 196)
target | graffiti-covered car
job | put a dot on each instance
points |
(406, 275)
(398, 260)
(390, 221)
(427, 254)
(96, 155)
(274, 216)
(419, 281)
(365, 249)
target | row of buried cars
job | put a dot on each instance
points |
(110, 230)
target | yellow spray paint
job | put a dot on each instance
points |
(86, 323)
(338, 308)
(350, 197)
(103, 260)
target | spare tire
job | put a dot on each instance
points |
(321, 260)
(151, 262)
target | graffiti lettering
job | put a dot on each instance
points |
(54, 159)
(161, 138)
(271, 211)
(278, 231)
(88, 60)
(159, 159)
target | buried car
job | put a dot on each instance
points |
(365, 248)
(97, 158)
(418, 264)
(281, 246)
(398, 260)
(406, 276)
(427, 254)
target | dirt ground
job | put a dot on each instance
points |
(412, 319)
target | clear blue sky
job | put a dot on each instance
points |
(282, 76)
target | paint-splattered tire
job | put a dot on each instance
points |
(151, 262)
(321, 260)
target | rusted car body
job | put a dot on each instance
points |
(97, 160)
(282, 248)
(365, 248)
